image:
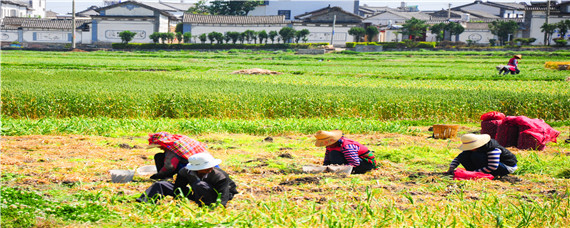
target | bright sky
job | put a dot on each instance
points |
(63, 7)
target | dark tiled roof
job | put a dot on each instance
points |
(15, 3)
(223, 19)
(45, 23)
(325, 11)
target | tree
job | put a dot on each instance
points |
(548, 29)
(178, 28)
(219, 37)
(169, 36)
(301, 34)
(371, 32)
(234, 36)
(438, 30)
(227, 38)
(248, 35)
(357, 32)
(155, 37)
(253, 35)
(414, 28)
(203, 37)
(563, 28)
(232, 7)
(272, 35)
(199, 7)
(163, 37)
(179, 36)
(262, 35)
(241, 37)
(502, 29)
(127, 36)
(454, 29)
(187, 36)
(286, 34)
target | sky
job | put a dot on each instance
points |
(63, 7)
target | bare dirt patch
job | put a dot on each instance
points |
(255, 71)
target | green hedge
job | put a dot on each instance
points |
(147, 46)
(392, 44)
(353, 44)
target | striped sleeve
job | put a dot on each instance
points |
(454, 163)
(493, 158)
(351, 154)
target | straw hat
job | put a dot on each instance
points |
(518, 56)
(202, 161)
(327, 138)
(473, 141)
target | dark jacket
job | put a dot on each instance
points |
(507, 157)
(218, 179)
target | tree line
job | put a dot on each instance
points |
(285, 35)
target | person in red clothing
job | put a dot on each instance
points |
(344, 151)
(512, 66)
(176, 151)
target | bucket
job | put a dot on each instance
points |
(146, 170)
(121, 176)
(445, 131)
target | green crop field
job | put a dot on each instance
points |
(67, 116)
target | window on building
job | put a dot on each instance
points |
(287, 13)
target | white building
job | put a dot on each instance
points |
(292, 8)
(13, 9)
(320, 24)
(133, 16)
(535, 17)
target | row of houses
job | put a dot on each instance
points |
(101, 25)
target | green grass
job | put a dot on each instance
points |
(200, 85)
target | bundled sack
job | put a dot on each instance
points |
(492, 116)
(490, 127)
(519, 131)
(507, 133)
(462, 174)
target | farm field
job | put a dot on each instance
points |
(69, 117)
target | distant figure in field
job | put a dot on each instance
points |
(200, 181)
(483, 154)
(512, 66)
(344, 151)
(176, 151)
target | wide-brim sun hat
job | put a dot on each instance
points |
(327, 138)
(518, 56)
(202, 161)
(473, 141)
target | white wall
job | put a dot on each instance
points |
(83, 37)
(9, 35)
(129, 10)
(163, 24)
(48, 36)
(480, 36)
(299, 7)
(322, 33)
(108, 31)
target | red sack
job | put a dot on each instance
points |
(490, 127)
(462, 174)
(493, 116)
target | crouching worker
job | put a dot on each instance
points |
(344, 151)
(200, 181)
(483, 154)
(176, 150)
